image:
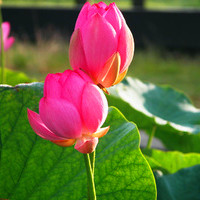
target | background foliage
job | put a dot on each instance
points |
(50, 55)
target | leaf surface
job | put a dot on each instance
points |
(183, 185)
(171, 161)
(176, 120)
(15, 77)
(33, 168)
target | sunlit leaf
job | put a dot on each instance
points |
(171, 161)
(33, 168)
(15, 77)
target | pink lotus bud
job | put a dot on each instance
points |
(102, 45)
(7, 41)
(72, 111)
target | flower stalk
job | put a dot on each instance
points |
(151, 137)
(92, 161)
(90, 177)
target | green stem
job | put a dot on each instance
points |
(2, 50)
(90, 178)
(151, 137)
(92, 161)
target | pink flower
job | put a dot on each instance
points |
(72, 111)
(102, 45)
(7, 41)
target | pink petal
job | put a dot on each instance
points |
(72, 89)
(64, 143)
(95, 9)
(94, 108)
(8, 43)
(83, 15)
(99, 42)
(39, 127)
(52, 86)
(64, 76)
(101, 5)
(61, 117)
(126, 47)
(6, 29)
(86, 144)
(114, 19)
(101, 132)
(76, 52)
(118, 11)
(84, 76)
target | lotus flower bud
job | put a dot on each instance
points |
(102, 45)
(71, 111)
(7, 41)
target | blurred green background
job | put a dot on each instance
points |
(178, 69)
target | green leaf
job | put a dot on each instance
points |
(183, 185)
(176, 120)
(171, 161)
(16, 77)
(34, 168)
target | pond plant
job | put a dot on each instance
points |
(71, 109)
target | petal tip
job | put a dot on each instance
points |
(85, 145)
(101, 132)
(64, 143)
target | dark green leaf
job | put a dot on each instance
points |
(176, 120)
(183, 185)
(33, 168)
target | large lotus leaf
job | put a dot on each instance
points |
(33, 168)
(169, 112)
(183, 185)
(171, 161)
(15, 77)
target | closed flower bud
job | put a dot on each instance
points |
(102, 45)
(72, 111)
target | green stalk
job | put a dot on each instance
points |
(2, 50)
(92, 161)
(90, 178)
(151, 137)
